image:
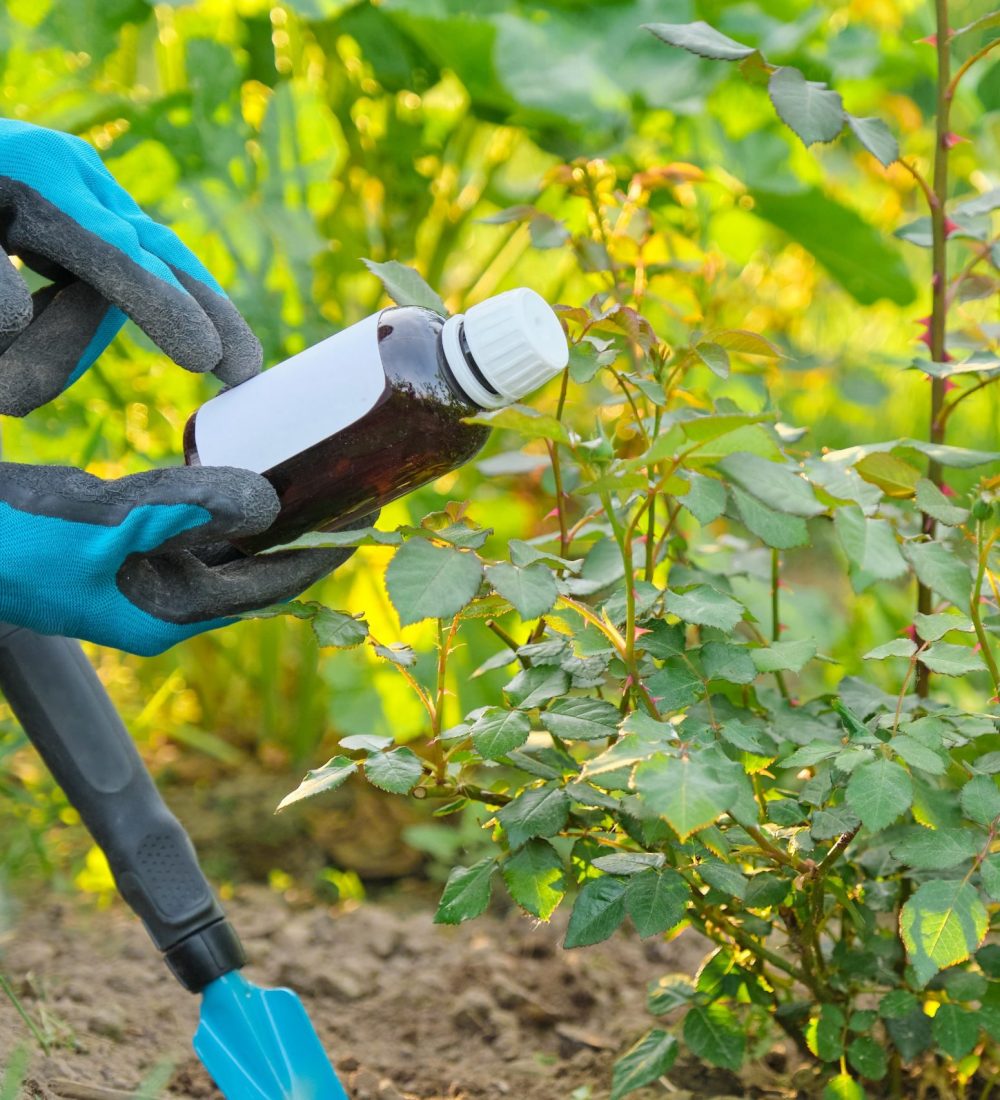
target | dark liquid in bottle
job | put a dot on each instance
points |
(412, 435)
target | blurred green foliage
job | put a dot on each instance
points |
(286, 141)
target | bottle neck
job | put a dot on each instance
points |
(463, 368)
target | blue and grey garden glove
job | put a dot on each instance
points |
(145, 561)
(140, 563)
(64, 216)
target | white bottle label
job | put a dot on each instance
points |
(294, 405)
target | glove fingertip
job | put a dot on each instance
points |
(241, 352)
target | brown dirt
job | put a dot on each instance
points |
(489, 1011)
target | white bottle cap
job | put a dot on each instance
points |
(515, 341)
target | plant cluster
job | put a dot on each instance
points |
(663, 752)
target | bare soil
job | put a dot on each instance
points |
(492, 1010)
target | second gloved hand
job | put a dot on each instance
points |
(125, 563)
(64, 216)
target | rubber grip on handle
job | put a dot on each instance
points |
(67, 715)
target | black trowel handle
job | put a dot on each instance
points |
(66, 713)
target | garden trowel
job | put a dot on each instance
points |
(258, 1044)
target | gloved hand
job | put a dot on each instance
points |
(65, 216)
(140, 563)
(127, 563)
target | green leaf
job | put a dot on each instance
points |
(825, 1034)
(581, 719)
(397, 772)
(784, 656)
(525, 421)
(931, 500)
(868, 1058)
(337, 629)
(706, 499)
(730, 880)
(938, 567)
(775, 485)
(983, 23)
(533, 686)
(989, 871)
(523, 553)
(425, 581)
(876, 137)
(466, 893)
(670, 992)
(689, 792)
(894, 476)
(713, 1033)
(645, 1063)
(328, 778)
(870, 544)
(879, 792)
(955, 1030)
(951, 660)
(497, 731)
(980, 800)
(628, 863)
(742, 341)
(656, 900)
(535, 877)
(532, 589)
(705, 606)
(942, 924)
(843, 1087)
(365, 742)
(918, 755)
(937, 849)
(898, 647)
(932, 628)
(854, 252)
(397, 653)
(773, 528)
(538, 811)
(405, 286)
(910, 1034)
(675, 687)
(701, 39)
(732, 663)
(715, 357)
(897, 1004)
(812, 110)
(597, 913)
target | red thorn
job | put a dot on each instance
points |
(947, 490)
(554, 512)
(793, 701)
(640, 630)
(629, 680)
(935, 281)
(977, 648)
(911, 632)
(930, 40)
(782, 626)
(948, 386)
(950, 227)
(946, 357)
(950, 140)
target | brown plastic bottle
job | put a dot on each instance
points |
(377, 410)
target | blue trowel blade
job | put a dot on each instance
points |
(259, 1044)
